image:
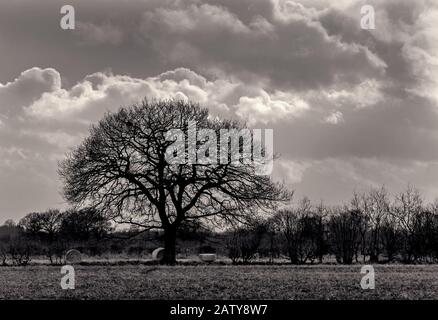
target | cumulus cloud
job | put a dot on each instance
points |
(405, 38)
(100, 92)
(365, 94)
(335, 117)
(26, 88)
(291, 49)
(422, 50)
(267, 109)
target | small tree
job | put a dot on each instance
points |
(84, 225)
(345, 228)
(42, 225)
(408, 204)
(272, 244)
(375, 207)
(301, 229)
(244, 243)
(321, 232)
(390, 238)
(19, 250)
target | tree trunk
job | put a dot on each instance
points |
(169, 246)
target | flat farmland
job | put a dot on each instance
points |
(220, 282)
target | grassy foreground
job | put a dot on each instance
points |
(220, 282)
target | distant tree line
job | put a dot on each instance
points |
(371, 228)
(50, 234)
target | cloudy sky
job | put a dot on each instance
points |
(350, 108)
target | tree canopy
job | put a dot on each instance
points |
(121, 168)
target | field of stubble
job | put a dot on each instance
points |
(219, 282)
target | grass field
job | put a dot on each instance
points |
(219, 282)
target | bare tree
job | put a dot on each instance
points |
(377, 212)
(391, 237)
(3, 254)
(272, 247)
(375, 206)
(321, 213)
(45, 228)
(19, 251)
(302, 231)
(244, 242)
(345, 229)
(84, 225)
(121, 168)
(43, 224)
(407, 206)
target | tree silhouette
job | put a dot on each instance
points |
(121, 168)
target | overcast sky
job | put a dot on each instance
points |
(350, 108)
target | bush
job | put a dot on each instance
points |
(303, 231)
(19, 253)
(244, 242)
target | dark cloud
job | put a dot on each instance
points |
(350, 108)
(287, 49)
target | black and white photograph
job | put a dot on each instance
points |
(231, 151)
